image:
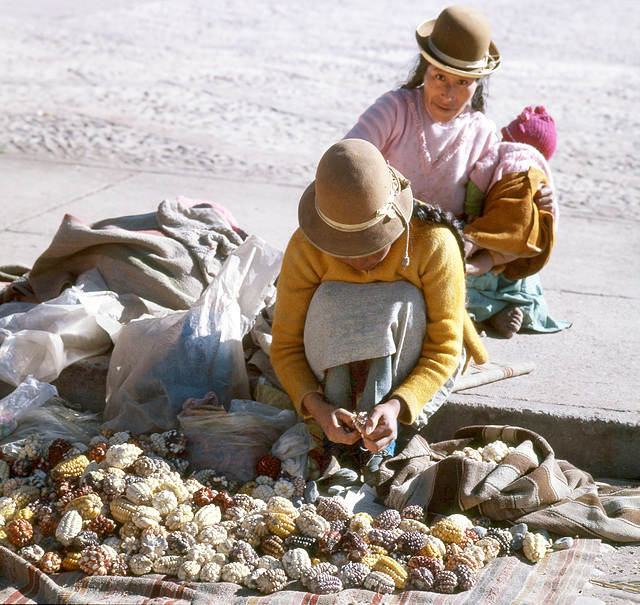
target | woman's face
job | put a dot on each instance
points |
(366, 263)
(445, 94)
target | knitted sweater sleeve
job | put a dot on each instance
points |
(299, 278)
(377, 124)
(443, 283)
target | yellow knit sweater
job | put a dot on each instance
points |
(436, 268)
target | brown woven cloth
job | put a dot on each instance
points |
(167, 257)
(528, 486)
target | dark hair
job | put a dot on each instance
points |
(416, 79)
(434, 214)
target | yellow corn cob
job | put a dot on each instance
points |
(434, 547)
(122, 510)
(247, 488)
(71, 467)
(88, 506)
(448, 530)
(407, 525)
(24, 513)
(370, 560)
(535, 546)
(129, 530)
(361, 523)
(71, 561)
(280, 524)
(392, 568)
(25, 494)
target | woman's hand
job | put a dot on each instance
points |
(382, 426)
(337, 423)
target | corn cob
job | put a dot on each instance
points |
(70, 467)
(393, 568)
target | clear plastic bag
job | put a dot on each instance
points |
(159, 364)
(52, 420)
(233, 442)
(292, 448)
(29, 395)
(43, 339)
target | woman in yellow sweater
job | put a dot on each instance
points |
(369, 287)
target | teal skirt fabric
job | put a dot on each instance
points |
(488, 294)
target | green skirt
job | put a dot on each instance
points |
(488, 294)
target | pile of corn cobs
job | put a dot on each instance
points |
(121, 505)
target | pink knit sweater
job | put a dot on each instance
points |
(504, 158)
(436, 157)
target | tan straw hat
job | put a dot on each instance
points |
(459, 42)
(358, 205)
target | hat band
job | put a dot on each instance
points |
(388, 209)
(456, 62)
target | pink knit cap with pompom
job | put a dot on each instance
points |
(534, 127)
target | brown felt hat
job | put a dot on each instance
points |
(358, 204)
(459, 42)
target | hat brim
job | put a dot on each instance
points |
(352, 244)
(423, 32)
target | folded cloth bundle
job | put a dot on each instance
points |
(512, 224)
(529, 485)
(167, 257)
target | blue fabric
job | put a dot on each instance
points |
(488, 294)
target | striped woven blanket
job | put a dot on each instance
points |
(528, 486)
(556, 580)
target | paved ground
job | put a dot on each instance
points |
(107, 112)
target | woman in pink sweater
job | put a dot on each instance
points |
(433, 130)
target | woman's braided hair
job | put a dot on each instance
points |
(434, 214)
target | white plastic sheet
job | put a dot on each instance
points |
(43, 339)
(233, 442)
(292, 448)
(28, 396)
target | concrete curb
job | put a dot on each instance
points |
(602, 447)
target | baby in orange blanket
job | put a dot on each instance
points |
(509, 230)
